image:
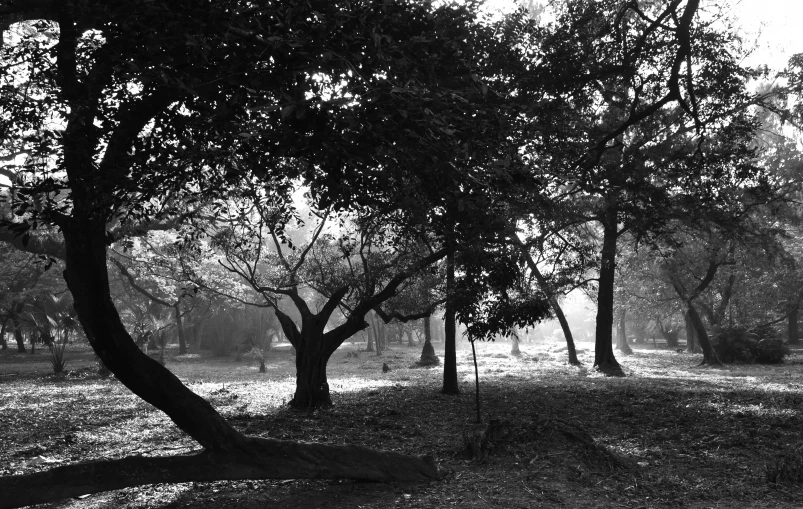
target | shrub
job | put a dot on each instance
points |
(57, 356)
(738, 344)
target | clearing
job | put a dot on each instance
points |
(669, 434)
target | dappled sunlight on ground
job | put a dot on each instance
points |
(668, 434)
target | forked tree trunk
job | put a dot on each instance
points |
(312, 387)
(450, 385)
(604, 359)
(227, 453)
(794, 336)
(709, 355)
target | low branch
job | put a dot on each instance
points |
(257, 458)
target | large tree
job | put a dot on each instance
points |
(140, 110)
(345, 269)
(661, 119)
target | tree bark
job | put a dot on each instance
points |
(621, 334)
(3, 343)
(88, 282)
(182, 343)
(18, 334)
(794, 336)
(258, 458)
(428, 356)
(604, 359)
(369, 347)
(514, 345)
(709, 355)
(692, 345)
(554, 304)
(450, 385)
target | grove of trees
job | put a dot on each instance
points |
(305, 170)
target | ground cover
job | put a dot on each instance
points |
(669, 434)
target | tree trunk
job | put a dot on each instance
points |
(410, 340)
(794, 336)
(428, 357)
(370, 334)
(621, 334)
(692, 345)
(514, 345)
(555, 305)
(257, 458)
(378, 336)
(604, 359)
(3, 343)
(182, 343)
(87, 279)
(450, 385)
(312, 387)
(670, 336)
(18, 334)
(381, 336)
(709, 355)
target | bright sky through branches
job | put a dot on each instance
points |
(771, 26)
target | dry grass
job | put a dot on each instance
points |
(666, 435)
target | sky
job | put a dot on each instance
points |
(777, 23)
(774, 24)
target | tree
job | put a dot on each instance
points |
(628, 149)
(353, 268)
(148, 128)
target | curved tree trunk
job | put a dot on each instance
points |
(228, 454)
(604, 359)
(555, 305)
(450, 385)
(257, 458)
(709, 355)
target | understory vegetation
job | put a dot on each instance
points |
(668, 434)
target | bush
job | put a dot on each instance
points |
(737, 344)
(57, 356)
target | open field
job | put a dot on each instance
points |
(667, 435)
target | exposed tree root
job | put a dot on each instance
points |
(255, 458)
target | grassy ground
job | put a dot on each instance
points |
(667, 435)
